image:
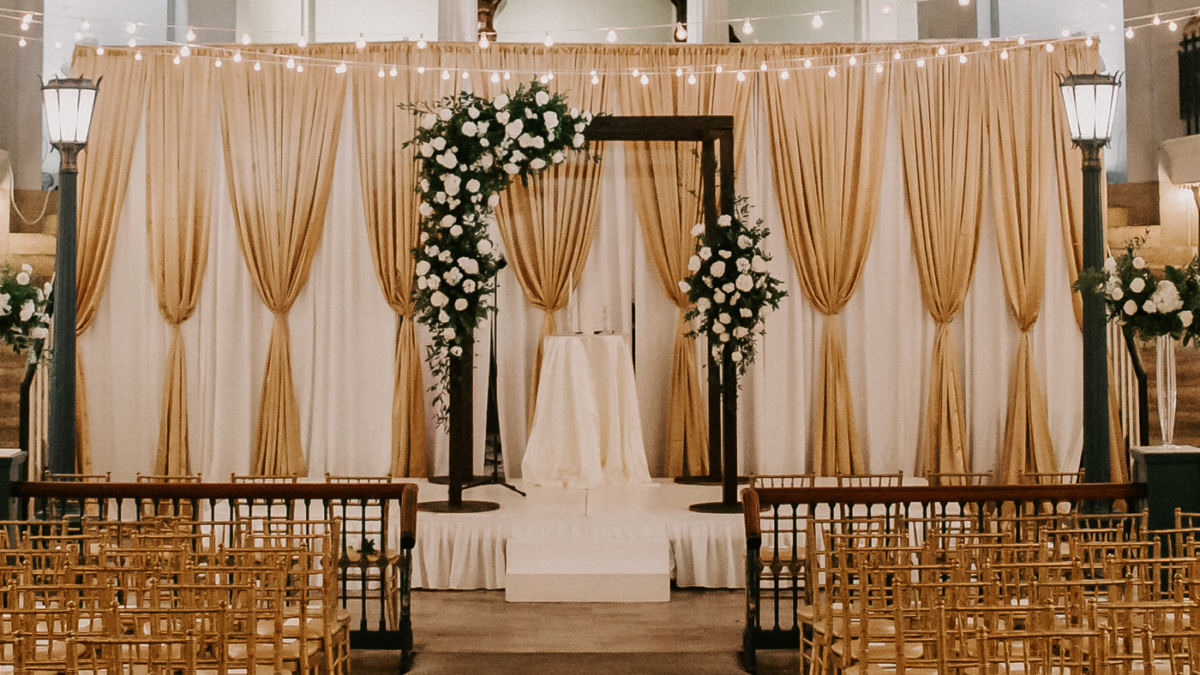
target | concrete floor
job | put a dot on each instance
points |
(698, 632)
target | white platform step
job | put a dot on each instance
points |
(588, 570)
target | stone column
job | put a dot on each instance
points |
(458, 20)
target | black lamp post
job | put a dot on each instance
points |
(69, 103)
(1091, 103)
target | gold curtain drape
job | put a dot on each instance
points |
(942, 122)
(1020, 146)
(280, 130)
(1076, 58)
(666, 187)
(179, 177)
(548, 225)
(828, 167)
(103, 177)
(390, 201)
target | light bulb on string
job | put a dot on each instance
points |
(763, 66)
(394, 71)
(636, 72)
(808, 63)
(191, 35)
(645, 79)
(1066, 32)
(85, 25)
(137, 56)
(445, 74)
(1004, 55)
(507, 76)
(691, 78)
(466, 75)
(185, 50)
(237, 56)
(291, 63)
(1021, 40)
(1089, 41)
(1156, 20)
(245, 38)
(962, 58)
(595, 79)
(679, 72)
(817, 21)
(361, 42)
(896, 55)
(832, 71)
(21, 42)
(421, 43)
(680, 32)
(28, 18)
(302, 42)
(964, 3)
(612, 35)
(341, 68)
(920, 63)
(217, 63)
(1049, 47)
(176, 60)
(887, 9)
(783, 75)
(549, 41)
(879, 67)
(99, 51)
(132, 42)
(24, 26)
(420, 70)
(987, 42)
(720, 69)
(741, 76)
(942, 50)
(257, 66)
(747, 27)
(381, 73)
(495, 78)
(1129, 33)
(853, 60)
(484, 43)
(1173, 26)
(131, 28)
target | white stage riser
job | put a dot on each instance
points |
(587, 570)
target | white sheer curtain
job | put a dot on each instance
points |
(343, 333)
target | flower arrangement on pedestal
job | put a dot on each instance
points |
(26, 304)
(469, 149)
(730, 285)
(1151, 306)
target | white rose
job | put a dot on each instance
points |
(456, 231)
(454, 276)
(40, 333)
(447, 159)
(694, 263)
(426, 150)
(684, 286)
(23, 279)
(445, 114)
(502, 117)
(542, 98)
(718, 328)
(718, 268)
(1185, 317)
(472, 185)
(558, 158)
(1149, 307)
(5, 308)
(456, 351)
(421, 283)
(716, 351)
(724, 336)
(743, 265)
(1117, 293)
(718, 297)
(500, 102)
(705, 253)
(744, 241)
(525, 140)
(703, 304)
(578, 141)
(438, 299)
(1138, 263)
(551, 119)
(47, 288)
(424, 185)
(530, 114)
(431, 251)
(449, 334)
(724, 318)
(517, 156)
(429, 121)
(574, 112)
(1137, 285)
(438, 143)
(469, 286)
(758, 264)
(744, 283)
(580, 126)
(587, 115)
(493, 200)
(486, 161)
(514, 128)
(433, 281)
(484, 246)
(740, 332)
(538, 163)
(734, 298)
(473, 113)
(440, 198)
(469, 128)
(469, 265)
(443, 317)
(728, 288)
(460, 304)
(724, 221)
(447, 220)
(1110, 265)
(423, 268)
(746, 313)
(453, 184)
(511, 169)
(698, 229)
(735, 357)
(425, 210)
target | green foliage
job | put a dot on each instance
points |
(1150, 305)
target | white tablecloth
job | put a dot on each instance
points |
(587, 430)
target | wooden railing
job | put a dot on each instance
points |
(777, 521)
(378, 531)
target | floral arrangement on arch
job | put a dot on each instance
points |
(1150, 305)
(26, 304)
(730, 285)
(469, 148)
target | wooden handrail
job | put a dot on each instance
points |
(751, 510)
(967, 494)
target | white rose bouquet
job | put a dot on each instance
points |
(469, 149)
(26, 304)
(730, 285)
(1153, 305)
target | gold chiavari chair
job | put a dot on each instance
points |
(959, 479)
(109, 655)
(799, 480)
(871, 479)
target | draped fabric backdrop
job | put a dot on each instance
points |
(942, 122)
(103, 179)
(179, 177)
(311, 221)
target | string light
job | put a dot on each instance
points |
(28, 18)
(495, 78)
(185, 51)
(645, 79)
(879, 67)
(964, 3)
(920, 63)
(1021, 40)
(808, 63)
(691, 78)
(99, 51)
(1129, 33)
(1089, 41)
(817, 21)
(679, 71)
(421, 43)
(445, 74)
(783, 75)
(549, 41)
(137, 56)
(741, 76)
(896, 55)
(1157, 20)
(24, 26)
(257, 66)
(484, 43)
(217, 63)
(291, 63)
(942, 50)
(612, 35)
(132, 42)
(747, 27)
(394, 72)
(1004, 55)
(131, 28)
(763, 66)
(1066, 33)
(85, 25)
(361, 42)
(887, 9)
(381, 73)
(420, 70)
(191, 35)
(1172, 26)
(853, 60)
(176, 59)
(341, 68)
(1049, 47)
(237, 56)
(21, 42)
(832, 71)
(245, 38)
(302, 42)
(466, 75)
(720, 69)
(962, 58)
(987, 42)
(595, 79)
(680, 32)
(507, 76)
(300, 69)
(636, 72)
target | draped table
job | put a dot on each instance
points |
(587, 428)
